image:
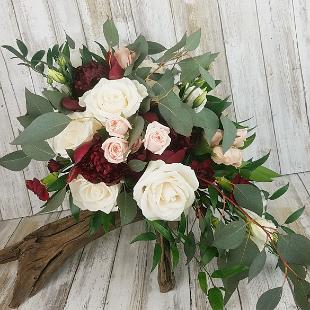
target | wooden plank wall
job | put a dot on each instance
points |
(264, 46)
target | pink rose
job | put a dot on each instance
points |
(156, 138)
(123, 57)
(136, 146)
(117, 127)
(115, 150)
(217, 138)
(233, 156)
(241, 136)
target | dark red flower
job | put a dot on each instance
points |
(53, 165)
(238, 179)
(150, 117)
(94, 167)
(71, 105)
(87, 76)
(204, 171)
(115, 70)
(169, 157)
(37, 188)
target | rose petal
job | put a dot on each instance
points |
(80, 152)
(71, 104)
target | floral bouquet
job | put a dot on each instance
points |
(125, 133)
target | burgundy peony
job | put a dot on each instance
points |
(53, 165)
(87, 76)
(93, 166)
(37, 188)
(72, 105)
(204, 171)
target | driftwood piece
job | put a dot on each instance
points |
(46, 249)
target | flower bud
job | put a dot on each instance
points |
(195, 97)
(56, 76)
(61, 61)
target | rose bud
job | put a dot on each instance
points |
(150, 117)
(56, 76)
(116, 71)
(37, 188)
(115, 150)
(123, 57)
(71, 104)
(157, 138)
(117, 126)
(53, 166)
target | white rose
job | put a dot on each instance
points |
(257, 234)
(81, 129)
(110, 98)
(164, 191)
(94, 197)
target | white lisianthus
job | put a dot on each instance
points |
(94, 197)
(257, 234)
(195, 97)
(81, 129)
(111, 98)
(165, 190)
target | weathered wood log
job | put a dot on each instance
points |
(45, 250)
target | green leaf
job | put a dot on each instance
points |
(193, 40)
(107, 220)
(86, 55)
(156, 256)
(140, 47)
(37, 57)
(75, 211)
(128, 207)
(254, 164)
(302, 293)
(54, 97)
(270, 299)
(164, 84)
(207, 77)
(40, 151)
(110, 33)
(215, 298)
(154, 48)
(229, 236)
(147, 236)
(161, 229)
(229, 271)
(70, 42)
(137, 128)
(190, 246)
(202, 279)
(208, 254)
(257, 265)
(13, 51)
(169, 52)
(249, 197)
(177, 114)
(294, 248)
(22, 47)
(279, 192)
(248, 141)
(230, 132)
(36, 105)
(207, 120)
(263, 174)
(137, 165)
(25, 120)
(43, 127)
(58, 184)
(95, 222)
(55, 201)
(182, 224)
(15, 161)
(175, 254)
(103, 50)
(294, 216)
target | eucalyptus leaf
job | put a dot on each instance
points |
(45, 126)
(40, 151)
(279, 192)
(54, 97)
(15, 161)
(25, 120)
(230, 132)
(137, 129)
(137, 165)
(155, 48)
(207, 77)
(295, 216)
(55, 201)
(193, 40)
(127, 206)
(270, 299)
(257, 265)
(36, 105)
(229, 271)
(110, 33)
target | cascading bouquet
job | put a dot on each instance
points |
(124, 133)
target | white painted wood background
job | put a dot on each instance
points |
(264, 65)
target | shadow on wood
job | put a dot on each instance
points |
(45, 250)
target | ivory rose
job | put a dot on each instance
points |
(123, 57)
(233, 156)
(117, 126)
(164, 191)
(241, 136)
(156, 137)
(110, 98)
(94, 197)
(115, 150)
(257, 234)
(81, 129)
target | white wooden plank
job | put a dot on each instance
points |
(279, 44)
(305, 178)
(154, 20)
(302, 25)
(92, 277)
(125, 290)
(7, 228)
(247, 72)
(8, 271)
(93, 15)
(192, 15)
(295, 198)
